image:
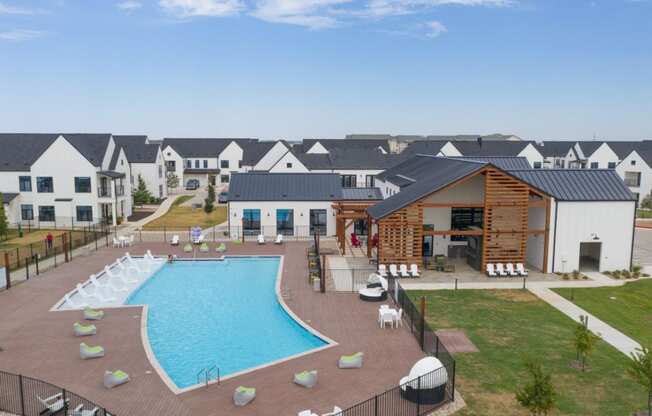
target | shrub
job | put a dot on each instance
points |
(538, 396)
(576, 274)
(565, 276)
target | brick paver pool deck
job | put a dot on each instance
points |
(40, 344)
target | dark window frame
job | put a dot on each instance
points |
(25, 180)
(316, 221)
(78, 184)
(251, 224)
(85, 214)
(285, 225)
(46, 209)
(27, 208)
(349, 181)
(224, 164)
(40, 186)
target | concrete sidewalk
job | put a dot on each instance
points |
(609, 334)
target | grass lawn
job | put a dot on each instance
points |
(627, 308)
(507, 325)
(181, 218)
(36, 236)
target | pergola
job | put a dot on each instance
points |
(345, 213)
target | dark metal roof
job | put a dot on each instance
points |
(555, 148)
(92, 146)
(254, 151)
(624, 148)
(359, 158)
(314, 161)
(207, 147)
(588, 148)
(331, 144)
(426, 147)
(361, 194)
(491, 148)
(441, 171)
(111, 174)
(646, 155)
(7, 197)
(577, 184)
(136, 149)
(501, 162)
(410, 170)
(285, 187)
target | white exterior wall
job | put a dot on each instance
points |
(387, 189)
(440, 218)
(471, 191)
(317, 148)
(576, 222)
(603, 155)
(536, 242)
(361, 175)
(233, 154)
(268, 215)
(641, 167)
(271, 157)
(169, 154)
(449, 150)
(281, 165)
(532, 155)
(150, 174)
(9, 181)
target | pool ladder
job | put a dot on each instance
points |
(204, 375)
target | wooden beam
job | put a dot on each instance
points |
(454, 205)
(533, 204)
(453, 232)
(546, 235)
(369, 236)
(536, 231)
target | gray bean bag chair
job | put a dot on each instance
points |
(87, 352)
(307, 379)
(84, 330)
(243, 395)
(115, 378)
(351, 361)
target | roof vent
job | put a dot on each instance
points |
(284, 195)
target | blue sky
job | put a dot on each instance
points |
(541, 69)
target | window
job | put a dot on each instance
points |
(197, 164)
(288, 165)
(633, 178)
(224, 178)
(46, 213)
(25, 183)
(318, 221)
(84, 213)
(82, 184)
(188, 164)
(537, 165)
(160, 172)
(285, 221)
(224, 164)
(595, 165)
(171, 165)
(348, 181)
(633, 163)
(44, 184)
(559, 163)
(369, 181)
(26, 212)
(611, 165)
(251, 221)
(465, 219)
(205, 164)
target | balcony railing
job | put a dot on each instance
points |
(104, 192)
(119, 190)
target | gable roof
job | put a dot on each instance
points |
(589, 147)
(254, 186)
(136, 149)
(21, 150)
(501, 162)
(425, 147)
(646, 155)
(577, 184)
(555, 148)
(201, 147)
(331, 144)
(361, 194)
(254, 151)
(7, 197)
(491, 148)
(624, 148)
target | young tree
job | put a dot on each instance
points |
(640, 369)
(210, 199)
(647, 202)
(4, 226)
(585, 340)
(172, 180)
(538, 396)
(141, 194)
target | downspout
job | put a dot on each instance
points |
(554, 238)
(631, 253)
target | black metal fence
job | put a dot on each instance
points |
(26, 396)
(221, 233)
(348, 279)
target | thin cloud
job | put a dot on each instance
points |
(20, 35)
(129, 5)
(197, 8)
(315, 14)
(9, 9)
(434, 29)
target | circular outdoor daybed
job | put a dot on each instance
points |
(426, 383)
(375, 294)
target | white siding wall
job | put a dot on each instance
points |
(581, 221)
(641, 167)
(441, 219)
(536, 242)
(281, 165)
(603, 155)
(271, 157)
(361, 175)
(169, 154)
(471, 191)
(450, 150)
(317, 148)
(387, 189)
(532, 155)
(150, 174)
(233, 154)
(268, 214)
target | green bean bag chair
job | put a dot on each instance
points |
(187, 248)
(203, 248)
(115, 378)
(244, 395)
(221, 248)
(351, 361)
(91, 314)
(307, 379)
(87, 352)
(84, 330)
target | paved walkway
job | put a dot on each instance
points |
(609, 334)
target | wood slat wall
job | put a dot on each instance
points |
(401, 236)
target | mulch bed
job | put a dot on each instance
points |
(456, 340)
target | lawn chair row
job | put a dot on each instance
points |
(279, 239)
(500, 270)
(401, 271)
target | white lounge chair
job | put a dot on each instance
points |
(509, 268)
(386, 317)
(53, 404)
(520, 269)
(74, 304)
(382, 270)
(80, 411)
(393, 270)
(403, 270)
(279, 239)
(491, 271)
(175, 240)
(261, 239)
(336, 412)
(414, 270)
(116, 242)
(118, 276)
(99, 287)
(399, 318)
(125, 269)
(129, 261)
(97, 295)
(500, 269)
(427, 379)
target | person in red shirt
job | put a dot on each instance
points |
(49, 239)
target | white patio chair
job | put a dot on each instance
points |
(261, 239)
(509, 268)
(414, 269)
(386, 317)
(520, 269)
(393, 270)
(382, 270)
(74, 304)
(118, 287)
(336, 412)
(125, 270)
(116, 242)
(80, 411)
(129, 261)
(399, 318)
(403, 270)
(131, 240)
(307, 413)
(175, 240)
(53, 404)
(279, 239)
(500, 269)
(491, 271)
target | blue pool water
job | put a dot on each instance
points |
(224, 313)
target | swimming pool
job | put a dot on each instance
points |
(225, 313)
